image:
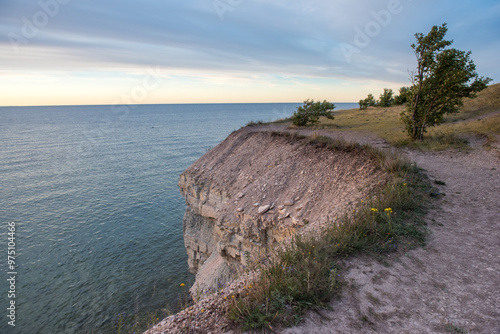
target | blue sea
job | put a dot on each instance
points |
(93, 193)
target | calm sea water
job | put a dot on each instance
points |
(93, 192)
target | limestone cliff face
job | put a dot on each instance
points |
(256, 189)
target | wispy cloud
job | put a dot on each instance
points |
(303, 39)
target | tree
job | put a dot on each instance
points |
(371, 100)
(442, 79)
(363, 104)
(311, 111)
(368, 102)
(386, 98)
(403, 96)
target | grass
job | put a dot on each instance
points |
(436, 141)
(452, 134)
(307, 272)
(255, 123)
(486, 102)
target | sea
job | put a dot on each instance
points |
(90, 207)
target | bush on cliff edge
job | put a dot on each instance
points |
(311, 111)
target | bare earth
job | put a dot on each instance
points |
(452, 285)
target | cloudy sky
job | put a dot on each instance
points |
(205, 51)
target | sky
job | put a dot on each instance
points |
(70, 52)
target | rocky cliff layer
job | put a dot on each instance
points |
(256, 189)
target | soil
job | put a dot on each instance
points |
(452, 285)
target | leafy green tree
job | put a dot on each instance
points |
(363, 104)
(371, 100)
(386, 98)
(442, 79)
(311, 111)
(403, 96)
(368, 102)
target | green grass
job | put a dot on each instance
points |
(255, 123)
(436, 141)
(307, 272)
(452, 134)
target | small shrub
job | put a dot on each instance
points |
(255, 123)
(311, 111)
(368, 102)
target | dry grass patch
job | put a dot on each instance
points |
(453, 133)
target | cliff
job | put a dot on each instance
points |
(256, 189)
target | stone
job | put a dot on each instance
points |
(286, 215)
(264, 209)
(289, 202)
(256, 204)
(240, 210)
(240, 195)
(281, 207)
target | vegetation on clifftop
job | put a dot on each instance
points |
(442, 79)
(311, 111)
(478, 116)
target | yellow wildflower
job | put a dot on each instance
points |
(182, 284)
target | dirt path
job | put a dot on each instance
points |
(452, 285)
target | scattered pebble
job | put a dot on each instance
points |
(264, 209)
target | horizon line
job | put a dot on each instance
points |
(149, 104)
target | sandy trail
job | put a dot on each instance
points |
(452, 285)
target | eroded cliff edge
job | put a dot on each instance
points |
(256, 189)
